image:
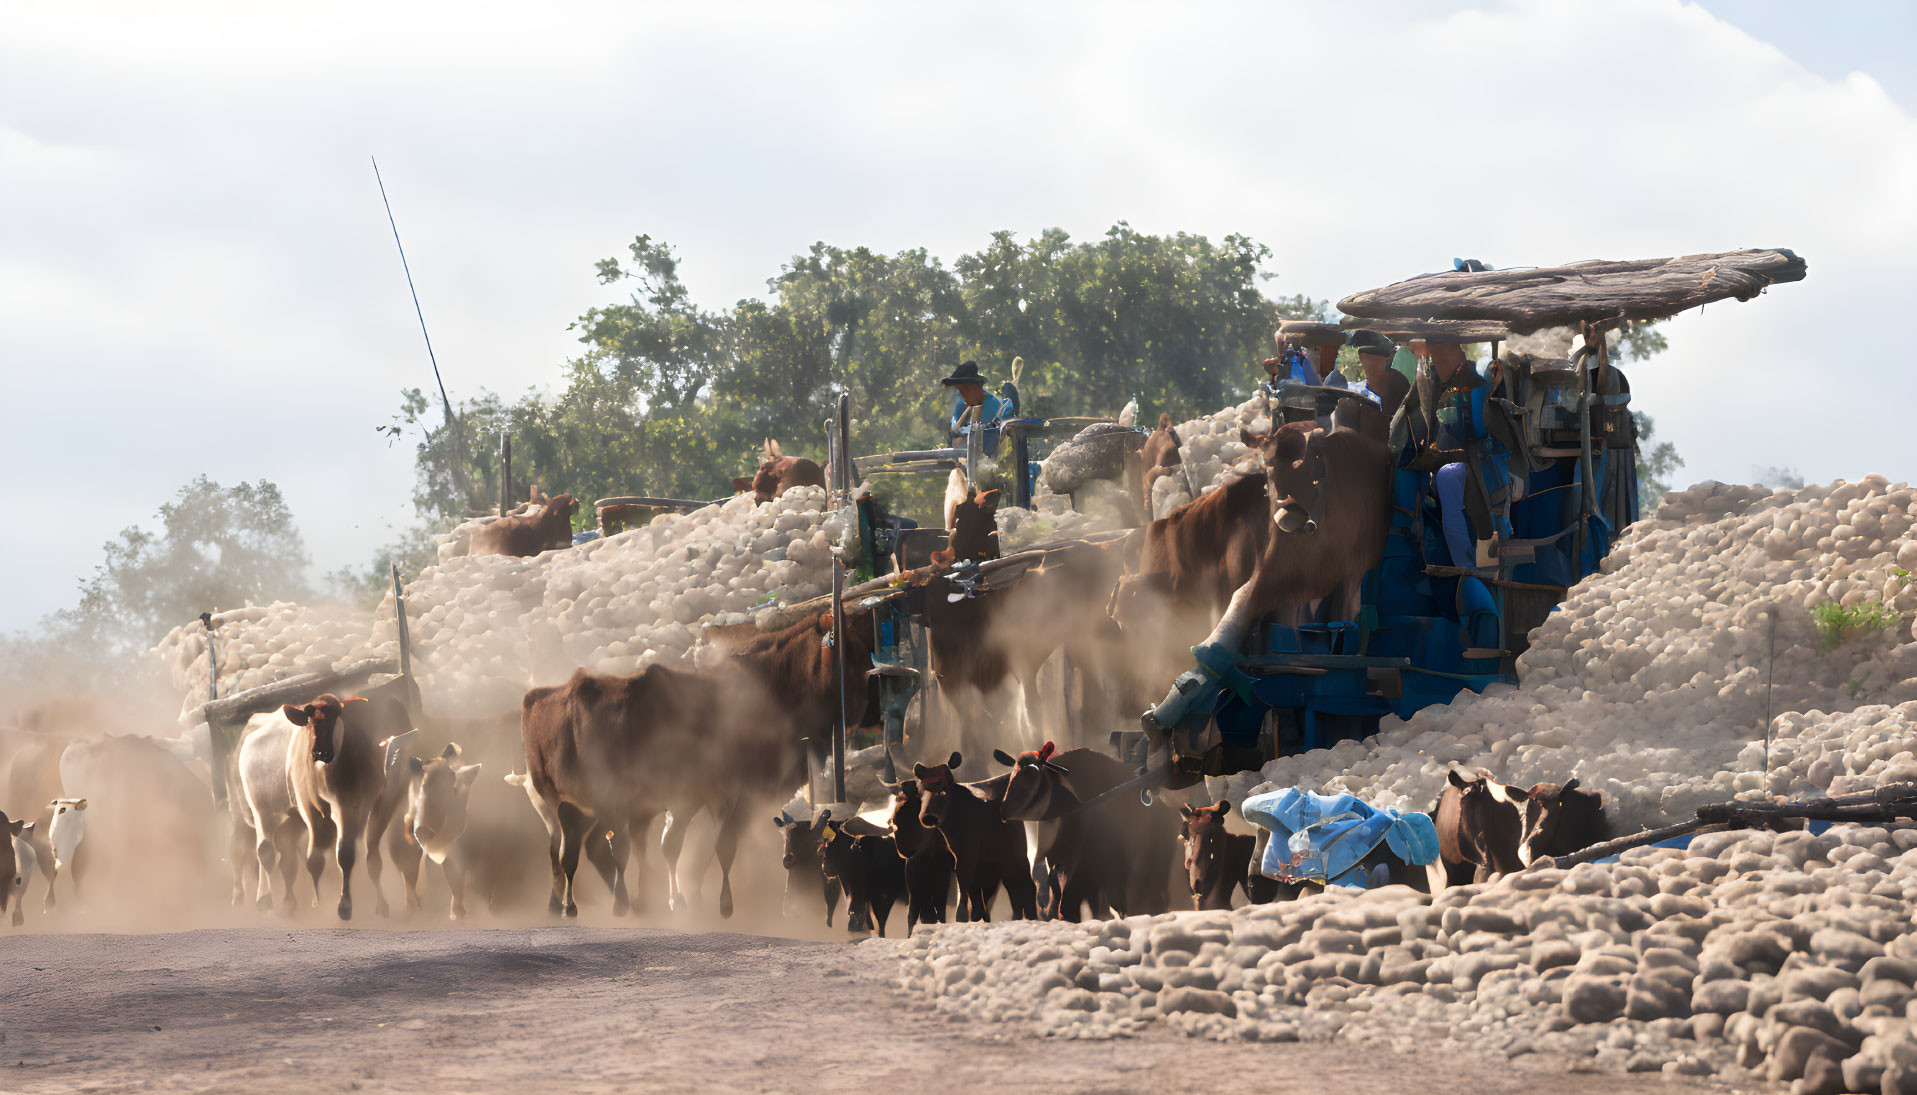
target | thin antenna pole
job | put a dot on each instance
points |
(459, 465)
(1770, 671)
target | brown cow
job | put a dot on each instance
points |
(1158, 457)
(615, 751)
(987, 850)
(1561, 819)
(981, 641)
(868, 868)
(928, 862)
(1216, 861)
(529, 533)
(804, 870)
(1330, 495)
(337, 770)
(779, 473)
(1479, 824)
(1115, 856)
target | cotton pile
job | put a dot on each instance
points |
(484, 628)
(1650, 681)
(1750, 955)
(1210, 451)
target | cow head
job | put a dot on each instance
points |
(1490, 821)
(1204, 837)
(436, 801)
(801, 839)
(974, 527)
(1293, 475)
(937, 786)
(563, 508)
(321, 719)
(1038, 789)
(1559, 819)
(908, 831)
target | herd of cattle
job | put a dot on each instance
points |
(605, 756)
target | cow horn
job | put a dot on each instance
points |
(1004, 758)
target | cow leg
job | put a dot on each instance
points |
(239, 841)
(607, 850)
(556, 904)
(638, 828)
(574, 825)
(671, 842)
(455, 867)
(831, 895)
(1022, 894)
(351, 828)
(406, 856)
(377, 820)
(286, 843)
(266, 851)
(726, 846)
(316, 841)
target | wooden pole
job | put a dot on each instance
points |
(841, 435)
(399, 616)
(505, 472)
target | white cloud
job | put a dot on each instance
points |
(205, 281)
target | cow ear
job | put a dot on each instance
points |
(416, 764)
(1003, 758)
(1185, 811)
(452, 750)
(778, 821)
(1247, 438)
(955, 760)
(80, 805)
(13, 827)
(1570, 784)
(1224, 807)
(463, 777)
(824, 816)
(1517, 794)
(920, 771)
(1457, 779)
(27, 829)
(296, 715)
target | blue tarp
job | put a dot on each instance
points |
(1325, 837)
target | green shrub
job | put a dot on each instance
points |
(1837, 622)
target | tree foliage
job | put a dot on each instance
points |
(216, 547)
(670, 399)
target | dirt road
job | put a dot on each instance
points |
(586, 1010)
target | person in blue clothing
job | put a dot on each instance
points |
(970, 392)
(1441, 424)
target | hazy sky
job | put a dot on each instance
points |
(196, 275)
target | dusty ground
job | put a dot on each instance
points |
(588, 1009)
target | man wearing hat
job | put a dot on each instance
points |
(1382, 384)
(992, 411)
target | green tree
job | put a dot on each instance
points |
(1177, 320)
(217, 547)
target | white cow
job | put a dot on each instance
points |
(436, 795)
(64, 833)
(24, 861)
(269, 808)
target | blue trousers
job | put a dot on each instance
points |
(1449, 483)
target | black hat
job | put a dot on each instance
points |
(1371, 342)
(966, 374)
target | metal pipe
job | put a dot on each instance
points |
(974, 445)
(1587, 495)
(850, 473)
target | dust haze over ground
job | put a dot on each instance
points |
(589, 1010)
